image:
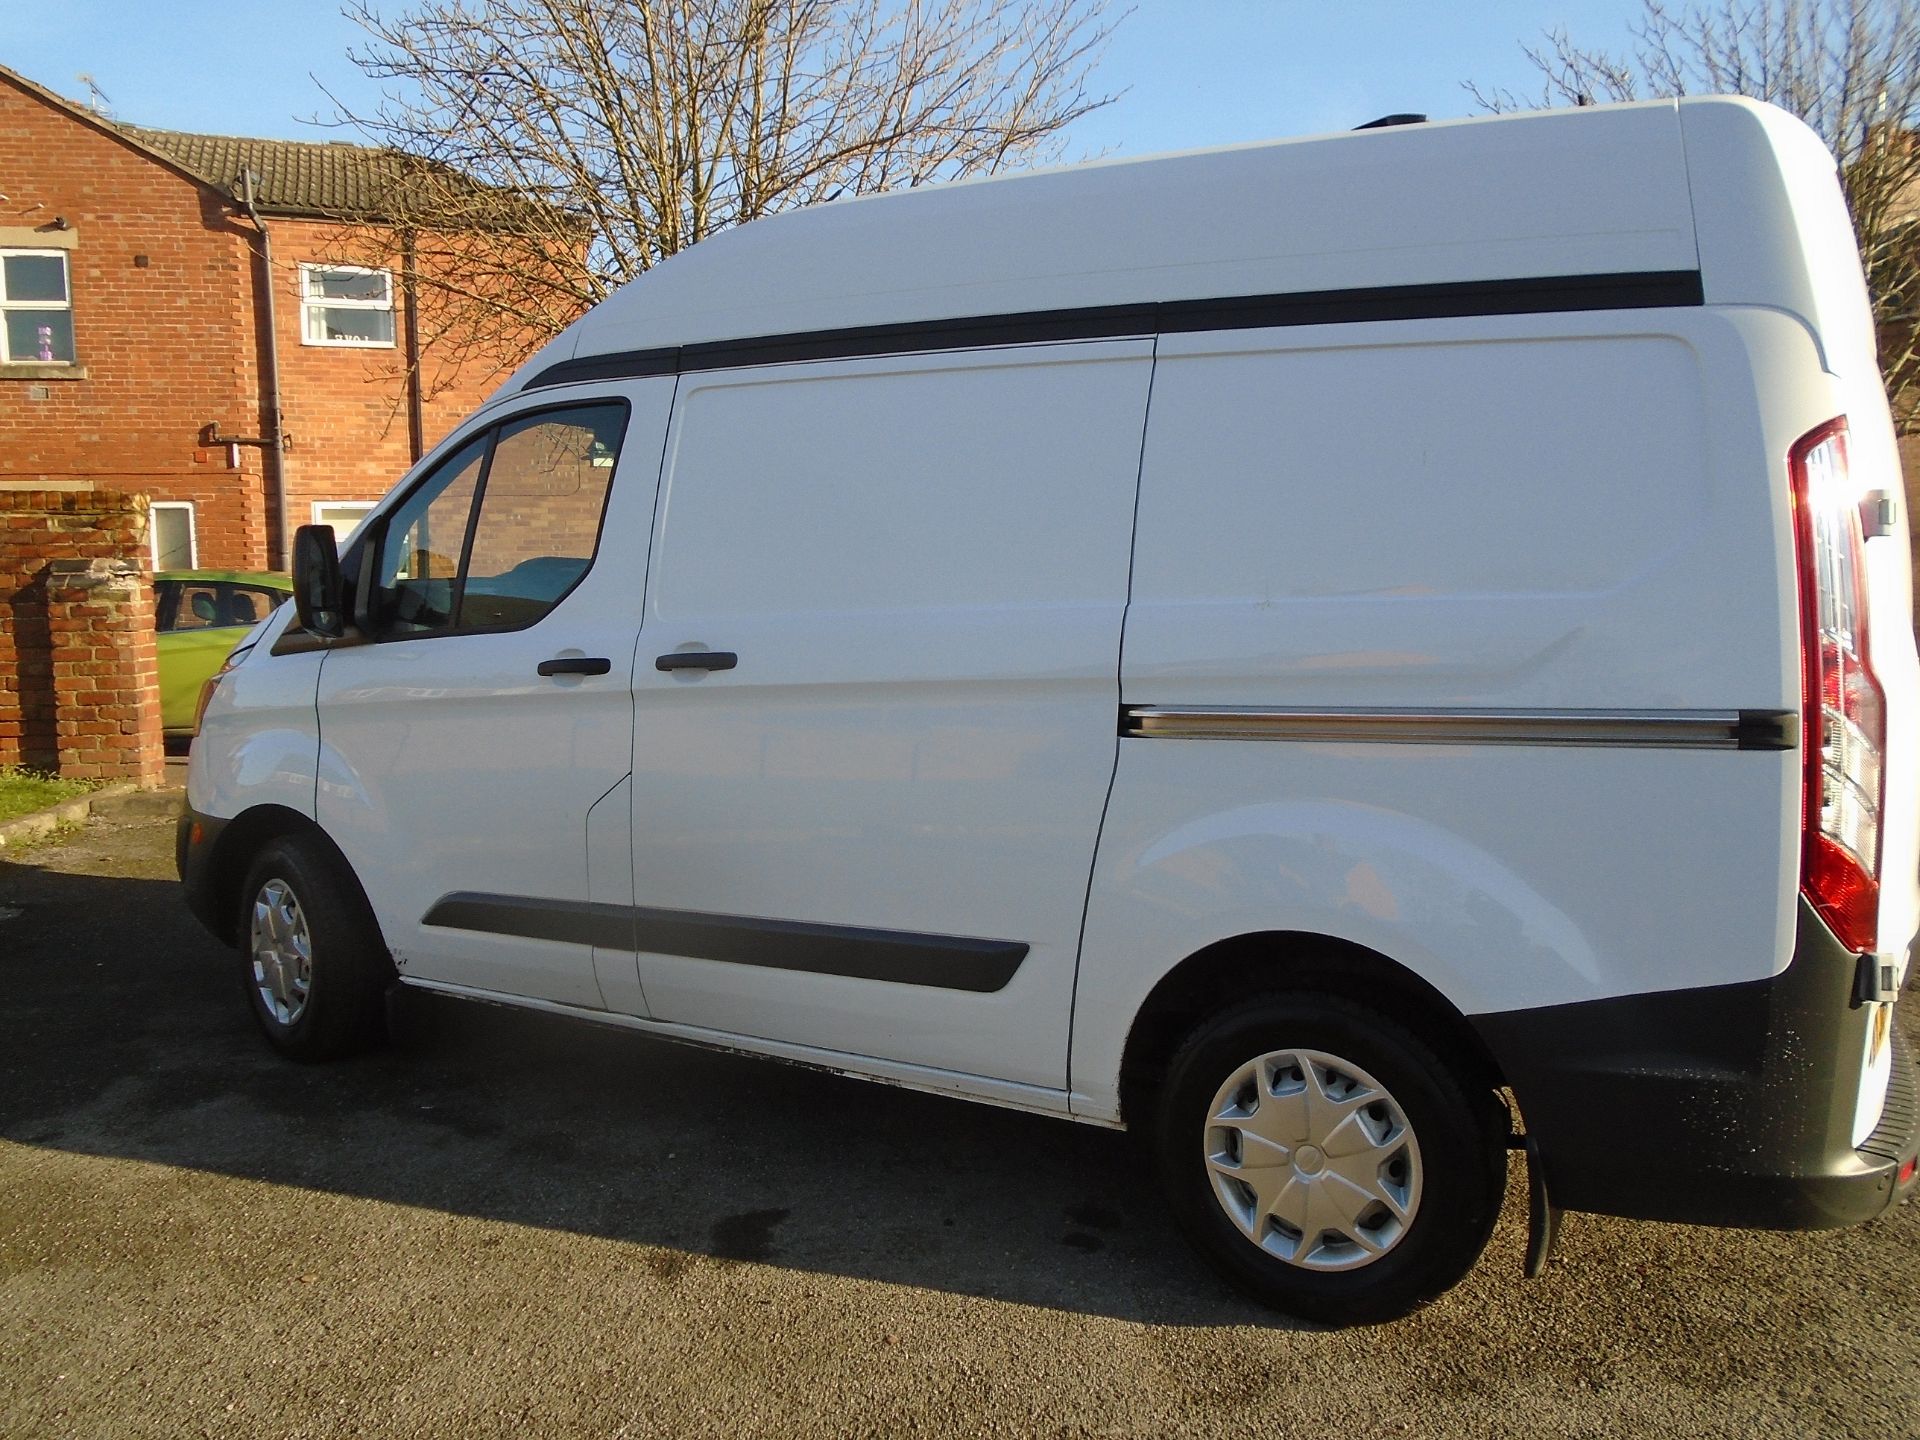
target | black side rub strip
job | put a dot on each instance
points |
(1546, 295)
(943, 962)
(577, 922)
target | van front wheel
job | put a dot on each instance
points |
(1325, 1160)
(312, 963)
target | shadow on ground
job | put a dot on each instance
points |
(123, 1033)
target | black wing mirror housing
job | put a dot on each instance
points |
(317, 594)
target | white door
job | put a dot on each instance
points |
(463, 751)
(876, 699)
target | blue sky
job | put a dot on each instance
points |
(1197, 72)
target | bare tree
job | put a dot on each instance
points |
(1849, 68)
(555, 149)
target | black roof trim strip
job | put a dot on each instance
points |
(1634, 290)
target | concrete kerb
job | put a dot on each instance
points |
(123, 800)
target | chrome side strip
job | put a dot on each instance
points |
(1663, 729)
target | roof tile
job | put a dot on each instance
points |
(296, 177)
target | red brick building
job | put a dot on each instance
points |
(141, 338)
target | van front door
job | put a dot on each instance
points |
(465, 750)
(876, 700)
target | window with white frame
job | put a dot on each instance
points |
(346, 305)
(170, 529)
(342, 515)
(37, 307)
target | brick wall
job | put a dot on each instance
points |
(346, 408)
(160, 312)
(79, 692)
(168, 335)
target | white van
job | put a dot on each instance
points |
(1330, 653)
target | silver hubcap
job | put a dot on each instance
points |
(1313, 1160)
(282, 952)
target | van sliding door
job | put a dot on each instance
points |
(875, 699)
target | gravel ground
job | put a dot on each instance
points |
(509, 1225)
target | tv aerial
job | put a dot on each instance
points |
(98, 100)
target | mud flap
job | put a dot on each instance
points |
(1543, 1219)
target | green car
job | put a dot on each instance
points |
(201, 615)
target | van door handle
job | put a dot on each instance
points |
(697, 660)
(575, 665)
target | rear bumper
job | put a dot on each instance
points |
(1730, 1105)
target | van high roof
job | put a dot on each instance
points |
(1659, 193)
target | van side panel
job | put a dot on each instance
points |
(1506, 877)
(1447, 519)
(610, 882)
(260, 738)
(1497, 512)
(921, 567)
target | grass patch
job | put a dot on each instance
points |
(24, 791)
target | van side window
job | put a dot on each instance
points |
(546, 490)
(420, 552)
(503, 528)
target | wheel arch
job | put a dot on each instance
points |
(240, 841)
(1262, 962)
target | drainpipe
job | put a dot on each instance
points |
(416, 418)
(276, 427)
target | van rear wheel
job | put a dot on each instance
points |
(1325, 1160)
(312, 963)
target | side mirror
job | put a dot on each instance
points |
(317, 593)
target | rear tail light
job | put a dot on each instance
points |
(1845, 720)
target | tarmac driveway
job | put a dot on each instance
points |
(511, 1225)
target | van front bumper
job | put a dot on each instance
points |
(1729, 1105)
(194, 841)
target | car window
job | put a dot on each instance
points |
(212, 604)
(420, 551)
(540, 513)
(249, 604)
(540, 485)
(196, 605)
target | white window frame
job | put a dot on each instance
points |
(360, 506)
(66, 272)
(310, 302)
(193, 533)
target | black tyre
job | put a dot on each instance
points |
(312, 963)
(1325, 1160)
